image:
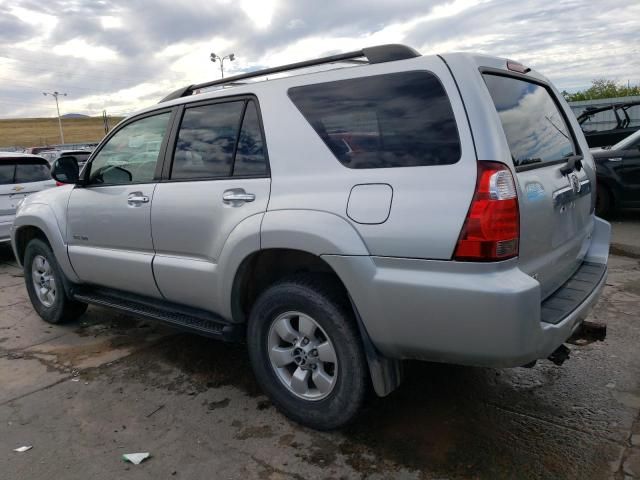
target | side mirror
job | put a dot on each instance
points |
(65, 170)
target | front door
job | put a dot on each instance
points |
(219, 178)
(109, 218)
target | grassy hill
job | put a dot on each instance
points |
(31, 132)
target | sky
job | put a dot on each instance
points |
(123, 55)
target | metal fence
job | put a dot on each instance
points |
(607, 119)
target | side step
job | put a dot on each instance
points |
(175, 315)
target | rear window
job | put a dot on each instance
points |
(32, 172)
(394, 120)
(535, 129)
(6, 173)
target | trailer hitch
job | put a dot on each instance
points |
(587, 333)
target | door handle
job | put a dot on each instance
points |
(137, 198)
(237, 196)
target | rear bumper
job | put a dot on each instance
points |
(464, 313)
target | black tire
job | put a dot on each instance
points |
(63, 309)
(319, 297)
(604, 202)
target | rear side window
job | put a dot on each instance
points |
(32, 172)
(394, 120)
(207, 140)
(250, 154)
(6, 173)
(535, 129)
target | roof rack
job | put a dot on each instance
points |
(377, 54)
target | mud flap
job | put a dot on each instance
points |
(386, 373)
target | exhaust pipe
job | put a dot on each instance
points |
(560, 355)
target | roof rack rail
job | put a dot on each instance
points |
(377, 54)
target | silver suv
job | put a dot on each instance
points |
(395, 206)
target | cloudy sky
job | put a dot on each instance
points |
(121, 55)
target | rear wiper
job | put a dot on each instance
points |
(574, 162)
(528, 161)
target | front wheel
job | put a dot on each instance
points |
(43, 279)
(306, 351)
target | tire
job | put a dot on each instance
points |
(54, 306)
(604, 202)
(342, 385)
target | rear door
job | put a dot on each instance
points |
(218, 177)
(555, 208)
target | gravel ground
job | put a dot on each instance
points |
(86, 393)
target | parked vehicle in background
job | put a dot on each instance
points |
(20, 175)
(618, 172)
(81, 156)
(438, 208)
(598, 137)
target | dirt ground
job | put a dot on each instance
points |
(32, 132)
(84, 394)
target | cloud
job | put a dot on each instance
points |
(122, 55)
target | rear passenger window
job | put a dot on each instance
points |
(207, 140)
(6, 173)
(32, 172)
(395, 120)
(250, 154)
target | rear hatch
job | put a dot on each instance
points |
(555, 192)
(20, 177)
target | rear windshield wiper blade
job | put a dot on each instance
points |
(528, 161)
(574, 162)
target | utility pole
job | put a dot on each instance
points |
(215, 57)
(56, 95)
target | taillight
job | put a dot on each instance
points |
(59, 184)
(491, 230)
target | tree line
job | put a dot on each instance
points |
(602, 88)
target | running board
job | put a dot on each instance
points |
(179, 316)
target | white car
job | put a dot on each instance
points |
(20, 175)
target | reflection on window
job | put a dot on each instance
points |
(395, 120)
(250, 157)
(27, 173)
(206, 141)
(131, 155)
(535, 129)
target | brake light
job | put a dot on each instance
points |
(491, 230)
(59, 184)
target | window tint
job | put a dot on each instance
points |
(206, 141)
(130, 156)
(395, 120)
(6, 173)
(535, 129)
(33, 172)
(250, 155)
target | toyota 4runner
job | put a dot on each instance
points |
(394, 206)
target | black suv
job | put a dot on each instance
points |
(618, 172)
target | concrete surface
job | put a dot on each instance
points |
(84, 394)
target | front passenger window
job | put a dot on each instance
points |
(131, 155)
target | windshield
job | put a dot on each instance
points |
(631, 141)
(535, 128)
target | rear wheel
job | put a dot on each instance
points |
(604, 202)
(43, 279)
(306, 351)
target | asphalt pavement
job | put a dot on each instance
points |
(84, 394)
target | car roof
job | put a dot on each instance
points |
(6, 156)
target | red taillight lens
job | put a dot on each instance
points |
(492, 228)
(59, 184)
